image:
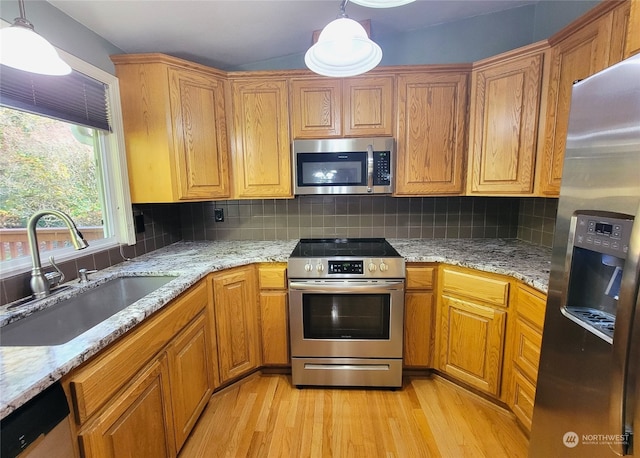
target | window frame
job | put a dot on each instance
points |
(118, 209)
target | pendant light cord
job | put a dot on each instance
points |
(21, 6)
(343, 5)
(22, 20)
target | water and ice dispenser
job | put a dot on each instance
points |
(598, 253)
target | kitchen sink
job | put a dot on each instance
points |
(68, 319)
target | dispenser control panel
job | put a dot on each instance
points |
(604, 235)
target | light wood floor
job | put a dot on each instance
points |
(265, 416)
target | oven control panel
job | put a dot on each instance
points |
(346, 267)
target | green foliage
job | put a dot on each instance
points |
(42, 165)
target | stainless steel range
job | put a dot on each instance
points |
(346, 312)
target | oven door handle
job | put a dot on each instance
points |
(347, 286)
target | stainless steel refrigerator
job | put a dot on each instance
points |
(588, 392)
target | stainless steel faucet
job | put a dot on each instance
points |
(40, 285)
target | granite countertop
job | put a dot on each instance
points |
(26, 371)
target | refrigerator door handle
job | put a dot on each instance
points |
(626, 349)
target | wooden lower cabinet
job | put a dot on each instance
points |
(472, 322)
(237, 326)
(472, 343)
(136, 423)
(142, 395)
(523, 352)
(419, 316)
(191, 379)
(274, 314)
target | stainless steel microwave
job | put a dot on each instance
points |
(343, 166)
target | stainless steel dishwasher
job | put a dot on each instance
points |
(39, 428)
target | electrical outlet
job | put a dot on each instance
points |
(218, 215)
(138, 221)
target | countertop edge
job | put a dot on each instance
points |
(201, 261)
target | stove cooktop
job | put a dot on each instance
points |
(357, 258)
(350, 247)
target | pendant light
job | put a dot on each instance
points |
(22, 48)
(343, 49)
(381, 3)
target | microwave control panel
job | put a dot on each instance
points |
(381, 168)
(604, 235)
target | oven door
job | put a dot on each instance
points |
(346, 318)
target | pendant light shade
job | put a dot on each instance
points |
(381, 3)
(22, 48)
(343, 49)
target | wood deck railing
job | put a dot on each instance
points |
(14, 242)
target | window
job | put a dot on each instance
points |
(73, 163)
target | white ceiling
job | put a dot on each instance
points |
(231, 33)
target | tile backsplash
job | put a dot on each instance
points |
(529, 219)
(537, 220)
(352, 216)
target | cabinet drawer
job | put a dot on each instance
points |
(419, 277)
(93, 385)
(531, 306)
(491, 290)
(272, 276)
(526, 352)
(523, 394)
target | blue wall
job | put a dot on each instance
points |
(464, 41)
(467, 40)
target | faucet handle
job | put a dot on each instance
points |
(54, 278)
(84, 274)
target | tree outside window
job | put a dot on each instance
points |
(47, 163)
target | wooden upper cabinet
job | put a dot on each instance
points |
(632, 43)
(580, 50)
(368, 106)
(431, 133)
(261, 158)
(317, 111)
(352, 107)
(505, 101)
(175, 131)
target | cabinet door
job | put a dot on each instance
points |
(274, 326)
(191, 379)
(368, 106)
(261, 158)
(237, 326)
(431, 133)
(472, 343)
(139, 422)
(632, 42)
(317, 110)
(200, 135)
(522, 398)
(579, 55)
(504, 126)
(418, 322)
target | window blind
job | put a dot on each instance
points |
(75, 98)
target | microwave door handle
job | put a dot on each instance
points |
(369, 168)
(626, 346)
